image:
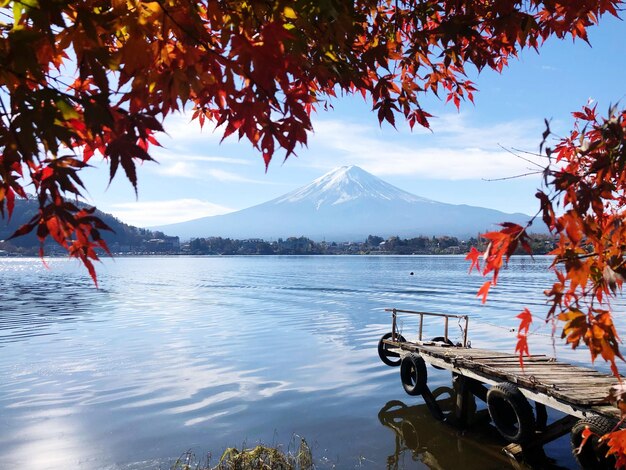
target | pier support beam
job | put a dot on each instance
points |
(433, 406)
(550, 433)
(465, 403)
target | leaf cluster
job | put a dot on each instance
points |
(587, 188)
(84, 78)
(584, 206)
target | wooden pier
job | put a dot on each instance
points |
(497, 378)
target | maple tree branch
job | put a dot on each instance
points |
(530, 153)
(512, 177)
(578, 257)
(44, 86)
(521, 158)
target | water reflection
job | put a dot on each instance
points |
(438, 444)
(430, 434)
(36, 298)
(205, 353)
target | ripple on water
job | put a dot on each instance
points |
(209, 352)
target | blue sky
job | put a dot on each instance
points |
(196, 176)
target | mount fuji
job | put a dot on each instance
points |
(346, 204)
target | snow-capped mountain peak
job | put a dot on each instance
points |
(345, 184)
(346, 204)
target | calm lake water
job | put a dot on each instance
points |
(202, 353)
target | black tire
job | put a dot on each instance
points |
(410, 435)
(440, 408)
(593, 454)
(392, 413)
(511, 413)
(386, 355)
(443, 340)
(446, 399)
(413, 374)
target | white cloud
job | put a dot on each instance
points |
(455, 150)
(182, 133)
(181, 129)
(192, 170)
(459, 129)
(180, 169)
(165, 156)
(200, 167)
(222, 175)
(151, 213)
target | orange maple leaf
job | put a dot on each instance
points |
(616, 442)
(484, 290)
(526, 318)
(522, 348)
(474, 257)
(586, 434)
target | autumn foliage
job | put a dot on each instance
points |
(85, 78)
(584, 206)
(80, 79)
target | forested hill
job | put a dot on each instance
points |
(124, 238)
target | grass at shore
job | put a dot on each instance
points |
(260, 457)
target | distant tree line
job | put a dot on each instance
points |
(129, 240)
(374, 244)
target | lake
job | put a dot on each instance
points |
(202, 353)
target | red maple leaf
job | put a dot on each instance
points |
(484, 290)
(474, 257)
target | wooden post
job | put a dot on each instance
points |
(465, 332)
(465, 404)
(445, 331)
(421, 325)
(393, 325)
(478, 389)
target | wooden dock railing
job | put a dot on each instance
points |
(445, 316)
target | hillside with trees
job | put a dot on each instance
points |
(121, 239)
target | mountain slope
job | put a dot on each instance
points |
(346, 204)
(26, 209)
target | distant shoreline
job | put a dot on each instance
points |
(191, 255)
(372, 245)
